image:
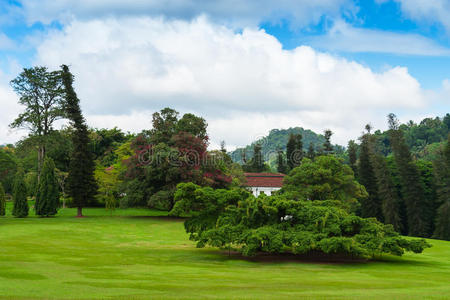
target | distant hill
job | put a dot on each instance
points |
(277, 139)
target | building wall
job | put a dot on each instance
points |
(267, 190)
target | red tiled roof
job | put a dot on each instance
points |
(264, 179)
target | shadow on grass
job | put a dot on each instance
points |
(314, 258)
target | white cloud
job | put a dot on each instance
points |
(430, 11)
(244, 84)
(235, 12)
(343, 37)
(5, 42)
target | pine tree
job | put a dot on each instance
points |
(417, 209)
(294, 150)
(290, 150)
(371, 206)
(81, 181)
(327, 147)
(281, 167)
(352, 156)
(47, 198)
(311, 152)
(257, 161)
(387, 193)
(20, 208)
(441, 167)
(2, 200)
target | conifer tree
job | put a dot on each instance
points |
(281, 167)
(327, 147)
(257, 161)
(371, 206)
(20, 208)
(311, 152)
(352, 156)
(417, 209)
(2, 201)
(294, 150)
(47, 198)
(290, 149)
(441, 169)
(81, 180)
(387, 192)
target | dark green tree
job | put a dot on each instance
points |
(281, 166)
(294, 150)
(387, 193)
(257, 160)
(2, 201)
(8, 168)
(412, 189)
(290, 149)
(235, 219)
(20, 207)
(81, 181)
(352, 156)
(311, 154)
(442, 175)
(47, 198)
(327, 147)
(325, 178)
(370, 206)
(42, 94)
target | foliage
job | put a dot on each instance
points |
(370, 206)
(275, 224)
(277, 139)
(442, 177)
(47, 198)
(42, 94)
(324, 178)
(412, 189)
(8, 167)
(20, 209)
(294, 150)
(174, 151)
(256, 163)
(352, 150)
(388, 193)
(81, 182)
(327, 147)
(2, 201)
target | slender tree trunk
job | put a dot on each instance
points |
(41, 156)
(80, 212)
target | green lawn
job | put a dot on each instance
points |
(138, 253)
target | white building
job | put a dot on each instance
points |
(264, 182)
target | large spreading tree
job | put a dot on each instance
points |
(81, 181)
(236, 220)
(42, 94)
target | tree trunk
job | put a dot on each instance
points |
(80, 212)
(41, 156)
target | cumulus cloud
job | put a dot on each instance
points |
(232, 12)
(343, 37)
(244, 83)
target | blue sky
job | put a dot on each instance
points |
(398, 48)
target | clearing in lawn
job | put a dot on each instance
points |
(139, 253)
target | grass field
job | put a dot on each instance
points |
(138, 253)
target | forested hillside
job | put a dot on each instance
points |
(277, 140)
